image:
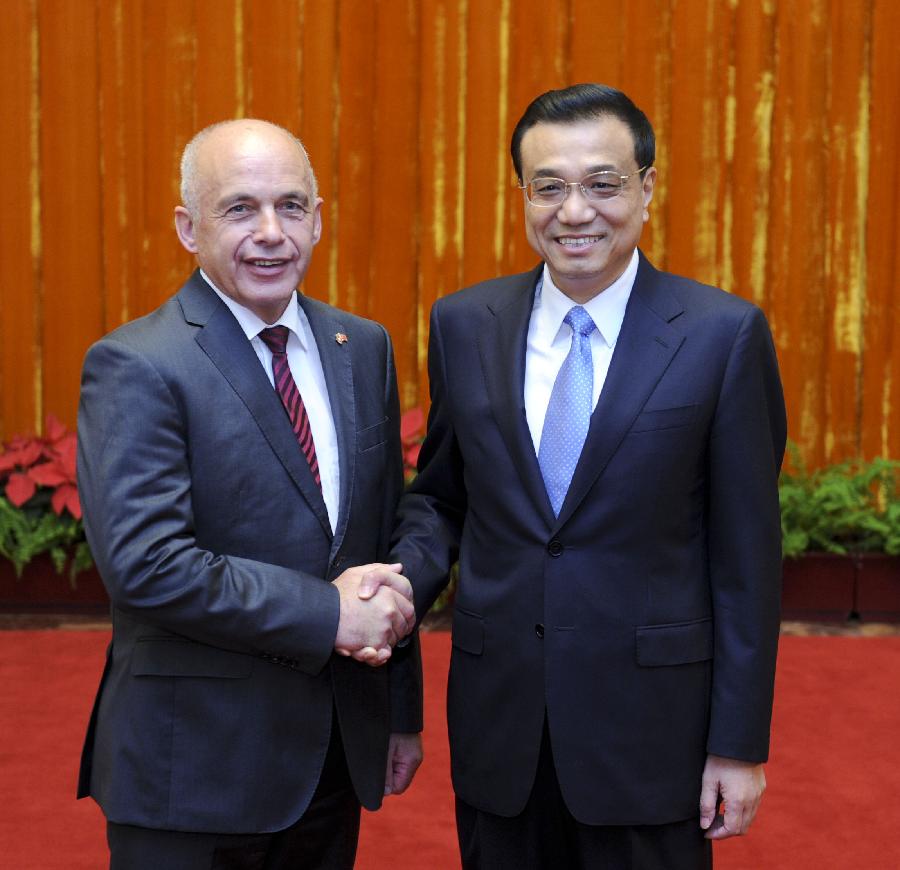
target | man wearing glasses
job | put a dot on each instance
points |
(602, 457)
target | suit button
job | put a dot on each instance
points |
(555, 548)
(539, 630)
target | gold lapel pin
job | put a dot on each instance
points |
(340, 338)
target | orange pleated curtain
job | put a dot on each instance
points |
(779, 161)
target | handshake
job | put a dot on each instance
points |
(376, 612)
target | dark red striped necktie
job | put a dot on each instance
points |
(276, 338)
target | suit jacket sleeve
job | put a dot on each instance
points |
(405, 666)
(746, 447)
(134, 475)
(426, 538)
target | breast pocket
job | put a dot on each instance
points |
(370, 437)
(665, 418)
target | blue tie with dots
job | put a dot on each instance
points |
(569, 410)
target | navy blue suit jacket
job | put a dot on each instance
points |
(214, 543)
(644, 619)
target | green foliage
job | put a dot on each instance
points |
(852, 507)
(28, 532)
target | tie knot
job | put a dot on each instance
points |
(579, 320)
(276, 338)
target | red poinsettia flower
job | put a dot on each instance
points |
(412, 431)
(47, 462)
(411, 456)
(412, 424)
(21, 453)
(20, 488)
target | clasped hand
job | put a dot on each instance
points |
(376, 611)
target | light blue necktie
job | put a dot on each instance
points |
(569, 410)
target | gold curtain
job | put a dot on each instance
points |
(778, 157)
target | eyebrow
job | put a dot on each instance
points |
(301, 196)
(555, 173)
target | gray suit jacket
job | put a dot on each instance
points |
(213, 541)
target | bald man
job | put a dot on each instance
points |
(239, 467)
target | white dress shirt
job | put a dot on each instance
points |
(549, 340)
(306, 368)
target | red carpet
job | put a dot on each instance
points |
(834, 777)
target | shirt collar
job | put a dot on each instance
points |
(252, 324)
(607, 308)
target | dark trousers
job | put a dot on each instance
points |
(545, 836)
(323, 839)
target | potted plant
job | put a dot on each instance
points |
(412, 434)
(841, 539)
(45, 562)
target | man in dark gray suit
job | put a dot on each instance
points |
(602, 454)
(239, 466)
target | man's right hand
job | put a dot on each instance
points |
(376, 611)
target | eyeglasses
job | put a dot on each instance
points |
(548, 192)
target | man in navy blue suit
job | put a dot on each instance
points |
(602, 456)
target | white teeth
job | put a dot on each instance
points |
(266, 262)
(580, 242)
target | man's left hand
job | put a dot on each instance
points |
(404, 758)
(740, 784)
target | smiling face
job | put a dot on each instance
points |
(256, 219)
(586, 245)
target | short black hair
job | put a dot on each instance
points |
(580, 103)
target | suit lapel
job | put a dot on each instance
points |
(645, 347)
(336, 358)
(223, 341)
(501, 345)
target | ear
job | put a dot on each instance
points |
(317, 220)
(184, 227)
(647, 190)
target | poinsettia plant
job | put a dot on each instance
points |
(412, 433)
(39, 507)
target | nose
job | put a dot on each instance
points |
(576, 208)
(268, 227)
